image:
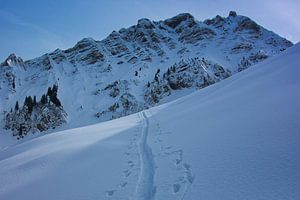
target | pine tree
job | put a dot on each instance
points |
(44, 99)
(53, 96)
(157, 75)
(168, 71)
(34, 101)
(54, 89)
(28, 103)
(17, 106)
(14, 84)
(49, 92)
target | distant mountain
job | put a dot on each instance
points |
(147, 64)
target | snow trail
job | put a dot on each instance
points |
(144, 188)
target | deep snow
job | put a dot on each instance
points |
(237, 139)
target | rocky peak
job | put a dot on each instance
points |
(145, 23)
(81, 46)
(217, 21)
(85, 42)
(178, 19)
(232, 14)
(13, 60)
(246, 24)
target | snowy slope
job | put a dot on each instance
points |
(102, 80)
(236, 139)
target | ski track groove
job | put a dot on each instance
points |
(145, 189)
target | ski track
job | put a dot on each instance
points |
(145, 189)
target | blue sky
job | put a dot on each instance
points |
(31, 28)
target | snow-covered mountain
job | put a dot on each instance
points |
(132, 69)
(236, 139)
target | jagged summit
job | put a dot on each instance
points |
(13, 60)
(145, 23)
(232, 14)
(141, 66)
(178, 19)
(188, 21)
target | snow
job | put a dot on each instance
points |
(237, 139)
(78, 81)
(144, 186)
(58, 166)
(240, 137)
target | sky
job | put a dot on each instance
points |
(32, 28)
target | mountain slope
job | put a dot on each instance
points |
(237, 139)
(138, 67)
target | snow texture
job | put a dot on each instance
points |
(236, 139)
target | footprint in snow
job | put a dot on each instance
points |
(176, 187)
(122, 185)
(126, 173)
(110, 193)
(130, 163)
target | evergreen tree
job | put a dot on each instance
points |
(168, 71)
(156, 78)
(17, 106)
(56, 101)
(157, 75)
(34, 101)
(44, 99)
(28, 103)
(54, 89)
(173, 69)
(14, 84)
(52, 93)
(49, 92)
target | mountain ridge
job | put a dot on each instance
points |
(141, 21)
(137, 67)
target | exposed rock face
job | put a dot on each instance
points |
(218, 21)
(177, 20)
(135, 68)
(13, 60)
(196, 34)
(195, 72)
(232, 14)
(246, 24)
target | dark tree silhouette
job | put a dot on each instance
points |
(17, 106)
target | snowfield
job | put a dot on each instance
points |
(236, 139)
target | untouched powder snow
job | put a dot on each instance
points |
(236, 139)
